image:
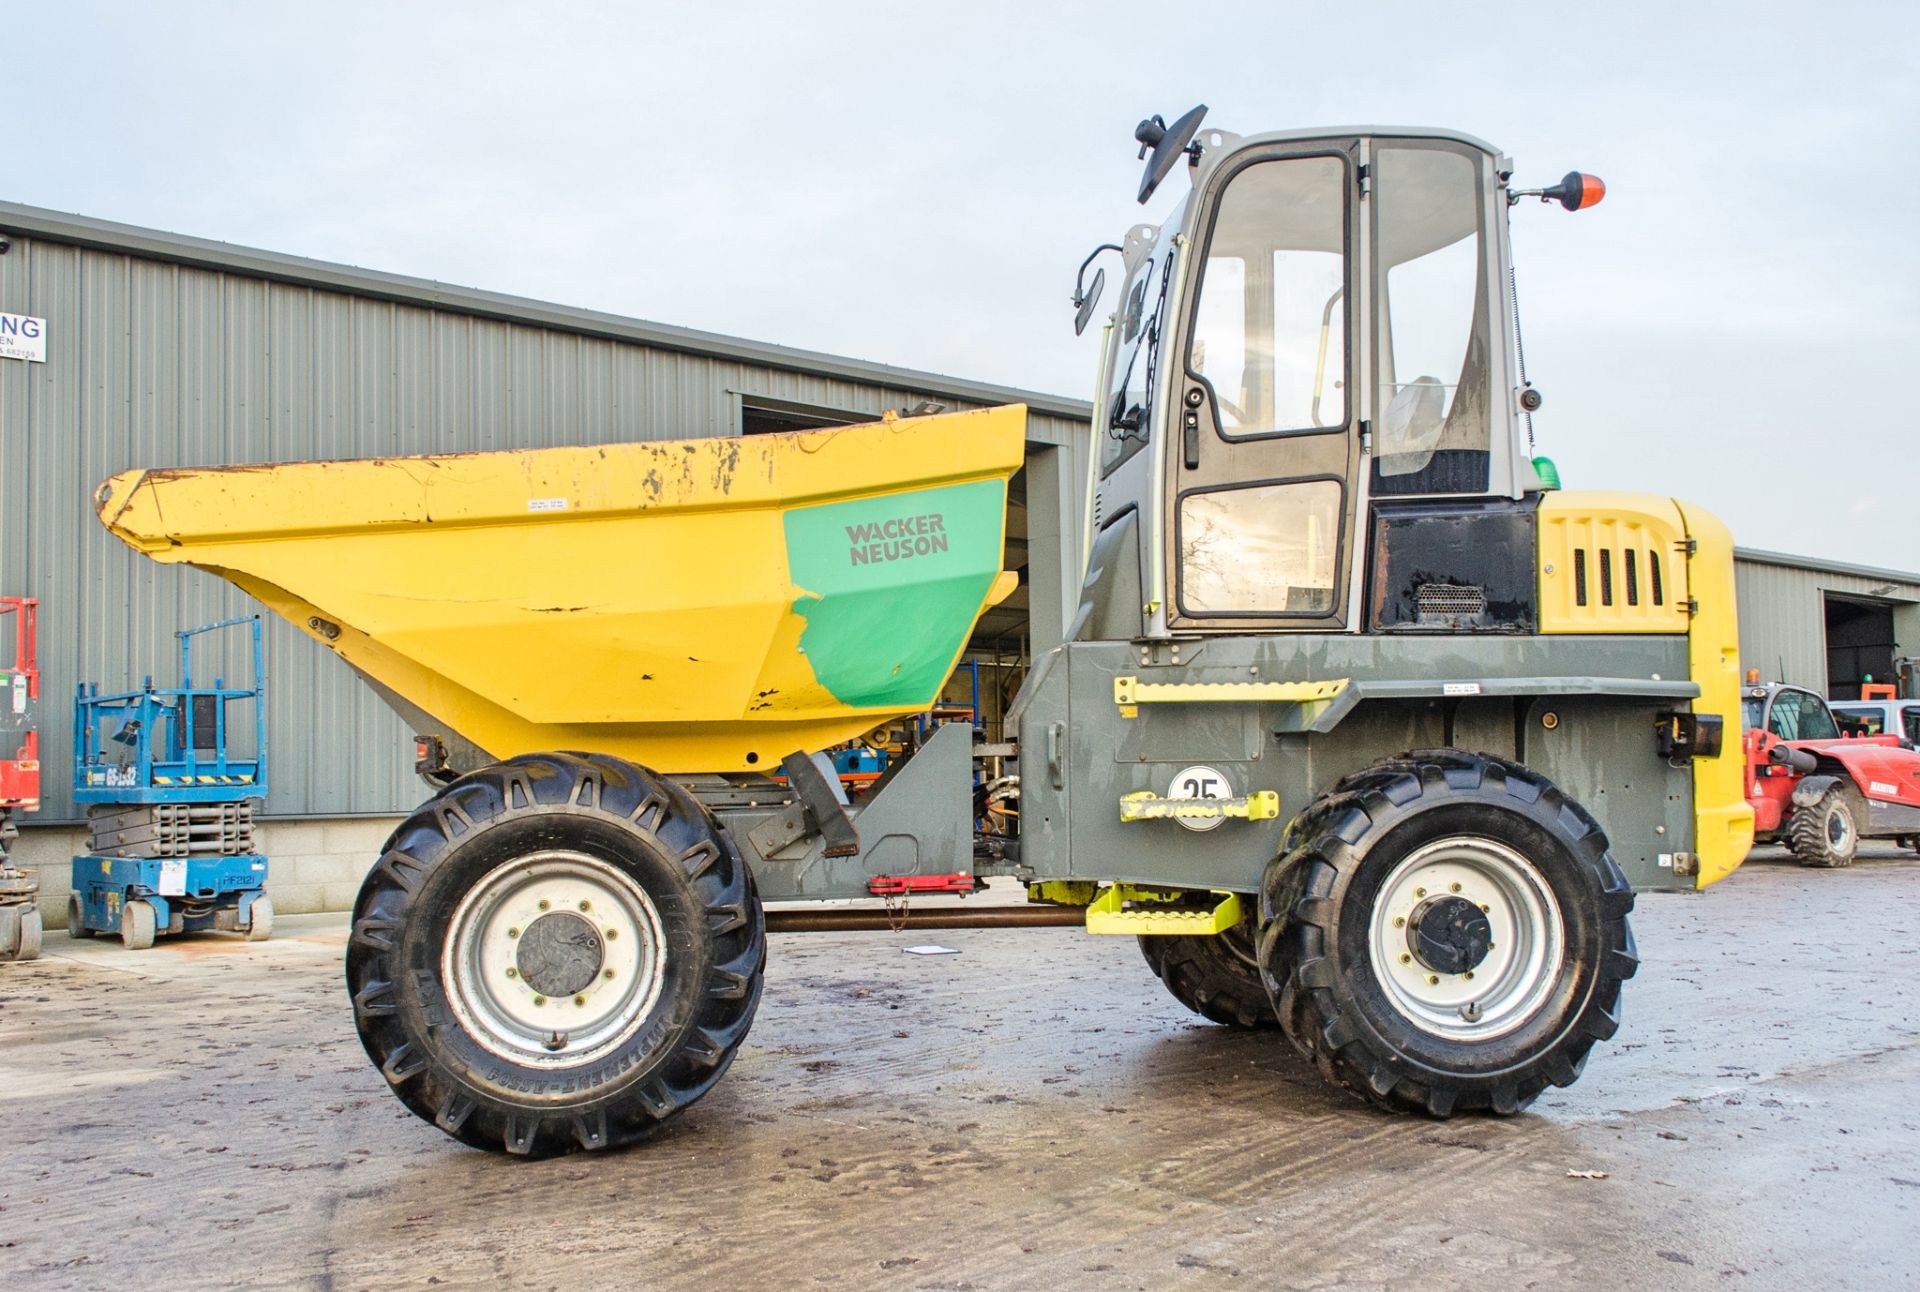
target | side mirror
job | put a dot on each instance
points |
(1085, 301)
(1084, 297)
(1167, 144)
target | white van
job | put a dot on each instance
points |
(1880, 717)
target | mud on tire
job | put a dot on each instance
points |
(1333, 942)
(1827, 833)
(467, 879)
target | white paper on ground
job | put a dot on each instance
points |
(930, 949)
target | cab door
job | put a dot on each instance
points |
(1265, 448)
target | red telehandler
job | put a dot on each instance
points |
(19, 773)
(1818, 791)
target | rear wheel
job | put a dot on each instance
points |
(1217, 976)
(1448, 932)
(560, 951)
(137, 925)
(1825, 834)
(77, 918)
(260, 919)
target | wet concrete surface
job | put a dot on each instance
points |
(1032, 1112)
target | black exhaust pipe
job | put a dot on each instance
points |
(1798, 760)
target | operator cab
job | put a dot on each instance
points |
(1788, 713)
(1314, 343)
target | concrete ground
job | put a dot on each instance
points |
(1032, 1112)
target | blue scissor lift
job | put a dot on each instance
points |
(170, 845)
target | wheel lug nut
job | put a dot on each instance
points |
(545, 905)
(512, 972)
(539, 1000)
(513, 933)
(607, 974)
(1453, 888)
(612, 934)
(1419, 892)
(579, 1000)
(1399, 921)
(1433, 980)
(1406, 958)
(1468, 975)
(1485, 907)
(585, 905)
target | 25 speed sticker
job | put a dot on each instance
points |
(1200, 783)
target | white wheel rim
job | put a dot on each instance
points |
(1839, 830)
(1526, 935)
(554, 959)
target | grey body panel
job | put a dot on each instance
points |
(1604, 694)
(917, 820)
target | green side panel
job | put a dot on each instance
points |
(893, 587)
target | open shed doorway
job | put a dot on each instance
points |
(1859, 644)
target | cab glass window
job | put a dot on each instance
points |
(1270, 321)
(1800, 715)
(1264, 550)
(1434, 420)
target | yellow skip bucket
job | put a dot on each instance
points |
(699, 605)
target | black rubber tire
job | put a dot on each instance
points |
(1316, 905)
(655, 833)
(1215, 976)
(1809, 830)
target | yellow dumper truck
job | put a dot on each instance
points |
(1365, 732)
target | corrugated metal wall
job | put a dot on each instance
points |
(1783, 620)
(153, 363)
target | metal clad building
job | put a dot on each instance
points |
(169, 351)
(1822, 624)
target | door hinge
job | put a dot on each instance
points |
(1364, 174)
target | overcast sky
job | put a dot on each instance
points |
(1735, 324)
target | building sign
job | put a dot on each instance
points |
(22, 337)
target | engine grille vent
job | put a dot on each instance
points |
(1447, 602)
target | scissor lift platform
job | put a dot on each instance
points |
(170, 842)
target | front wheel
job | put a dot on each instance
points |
(560, 951)
(1448, 932)
(19, 933)
(1217, 976)
(1825, 834)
